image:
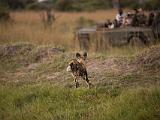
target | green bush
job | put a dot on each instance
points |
(148, 5)
(64, 5)
(4, 14)
(81, 5)
(152, 4)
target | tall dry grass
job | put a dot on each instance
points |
(28, 27)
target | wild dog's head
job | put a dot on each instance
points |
(80, 59)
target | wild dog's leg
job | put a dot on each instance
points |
(87, 80)
(75, 80)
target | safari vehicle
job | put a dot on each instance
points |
(100, 37)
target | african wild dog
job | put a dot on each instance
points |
(77, 67)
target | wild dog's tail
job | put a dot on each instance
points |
(68, 69)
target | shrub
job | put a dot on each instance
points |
(152, 4)
(64, 5)
(4, 14)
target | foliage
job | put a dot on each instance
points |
(148, 4)
(64, 5)
(88, 5)
(13, 4)
(16, 4)
(152, 4)
(79, 5)
(82, 5)
(4, 14)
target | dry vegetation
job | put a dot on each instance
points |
(34, 83)
(28, 27)
(32, 88)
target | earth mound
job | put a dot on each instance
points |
(28, 53)
(150, 58)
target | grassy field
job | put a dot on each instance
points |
(44, 102)
(32, 88)
(34, 84)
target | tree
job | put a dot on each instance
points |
(4, 13)
(64, 5)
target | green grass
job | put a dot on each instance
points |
(44, 102)
(57, 64)
(27, 94)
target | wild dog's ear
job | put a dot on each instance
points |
(78, 55)
(85, 55)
